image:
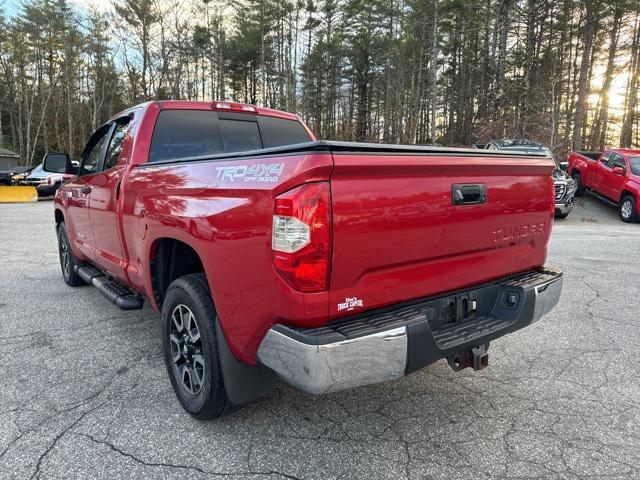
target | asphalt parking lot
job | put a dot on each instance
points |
(84, 392)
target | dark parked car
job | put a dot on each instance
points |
(565, 186)
(9, 177)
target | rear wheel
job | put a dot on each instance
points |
(627, 209)
(580, 190)
(68, 260)
(191, 349)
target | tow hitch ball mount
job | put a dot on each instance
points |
(476, 358)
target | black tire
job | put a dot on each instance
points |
(627, 209)
(580, 190)
(68, 260)
(201, 389)
(562, 215)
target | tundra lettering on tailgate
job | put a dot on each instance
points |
(513, 232)
(260, 172)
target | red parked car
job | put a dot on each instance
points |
(613, 175)
(327, 264)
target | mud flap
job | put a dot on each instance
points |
(242, 382)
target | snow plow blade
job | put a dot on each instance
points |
(18, 194)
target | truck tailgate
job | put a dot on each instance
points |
(397, 234)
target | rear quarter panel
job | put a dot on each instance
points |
(227, 221)
(583, 165)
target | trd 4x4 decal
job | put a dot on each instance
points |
(260, 172)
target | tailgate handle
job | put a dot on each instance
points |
(468, 193)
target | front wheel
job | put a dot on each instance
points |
(68, 260)
(627, 209)
(191, 349)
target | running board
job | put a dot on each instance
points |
(603, 198)
(120, 296)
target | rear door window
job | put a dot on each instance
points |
(618, 161)
(181, 134)
(277, 132)
(606, 159)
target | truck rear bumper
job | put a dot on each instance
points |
(388, 343)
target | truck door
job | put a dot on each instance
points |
(602, 166)
(79, 189)
(104, 202)
(613, 182)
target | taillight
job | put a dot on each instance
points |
(301, 237)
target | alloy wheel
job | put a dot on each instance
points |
(626, 209)
(186, 349)
(64, 256)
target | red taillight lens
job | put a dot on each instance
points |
(301, 237)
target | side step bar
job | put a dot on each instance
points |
(120, 296)
(593, 193)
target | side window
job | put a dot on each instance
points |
(185, 133)
(277, 132)
(115, 146)
(606, 159)
(94, 151)
(240, 135)
(618, 161)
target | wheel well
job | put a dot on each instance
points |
(626, 193)
(59, 217)
(575, 170)
(171, 259)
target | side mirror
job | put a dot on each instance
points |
(564, 165)
(619, 170)
(57, 163)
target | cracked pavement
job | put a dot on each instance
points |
(84, 392)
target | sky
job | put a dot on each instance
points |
(12, 6)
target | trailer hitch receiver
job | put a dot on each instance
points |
(476, 358)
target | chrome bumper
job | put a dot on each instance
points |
(336, 366)
(318, 367)
(564, 208)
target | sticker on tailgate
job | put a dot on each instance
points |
(350, 303)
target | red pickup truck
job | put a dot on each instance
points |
(327, 264)
(613, 175)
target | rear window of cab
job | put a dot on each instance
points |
(181, 134)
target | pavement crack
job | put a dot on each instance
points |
(57, 438)
(184, 467)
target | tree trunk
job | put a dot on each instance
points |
(591, 27)
(433, 73)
